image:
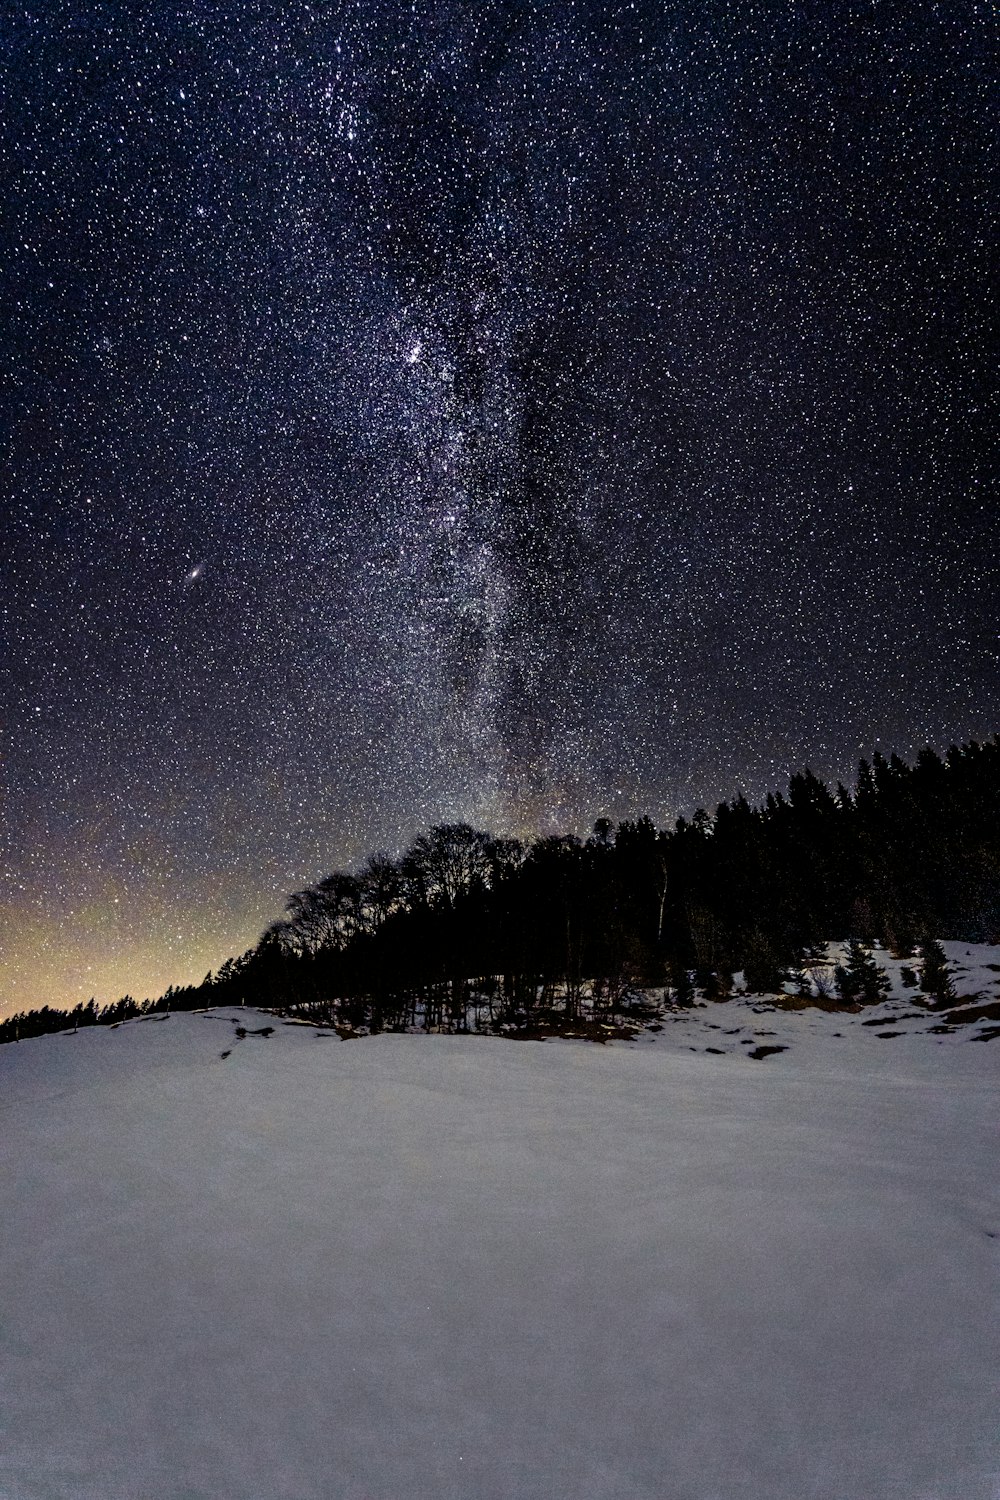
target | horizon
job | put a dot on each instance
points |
(196, 969)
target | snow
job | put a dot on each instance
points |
(465, 1268)
(974, 967)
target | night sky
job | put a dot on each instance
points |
(510, 412)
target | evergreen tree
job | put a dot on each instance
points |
(763, 971)
(800, 976)
(860, 981)
(935, 981)
(717, 984)
(680, 979)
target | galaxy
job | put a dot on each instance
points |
(520, 413)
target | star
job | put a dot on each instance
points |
(494, 413)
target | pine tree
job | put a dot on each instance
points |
(717, 984)
(935, 981)
(800, 976)
(860, 981)
(762, 968)
(680, 979)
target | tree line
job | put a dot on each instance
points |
(468, 930)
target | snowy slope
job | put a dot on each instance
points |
(407, 1268)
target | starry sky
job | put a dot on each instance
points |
(517, 412)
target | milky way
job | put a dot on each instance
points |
(515, 412)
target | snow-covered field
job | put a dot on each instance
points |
(419, 1268)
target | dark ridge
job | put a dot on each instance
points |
(467, 931)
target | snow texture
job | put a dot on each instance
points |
(448, 1268)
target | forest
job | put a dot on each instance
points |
(469, 931)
